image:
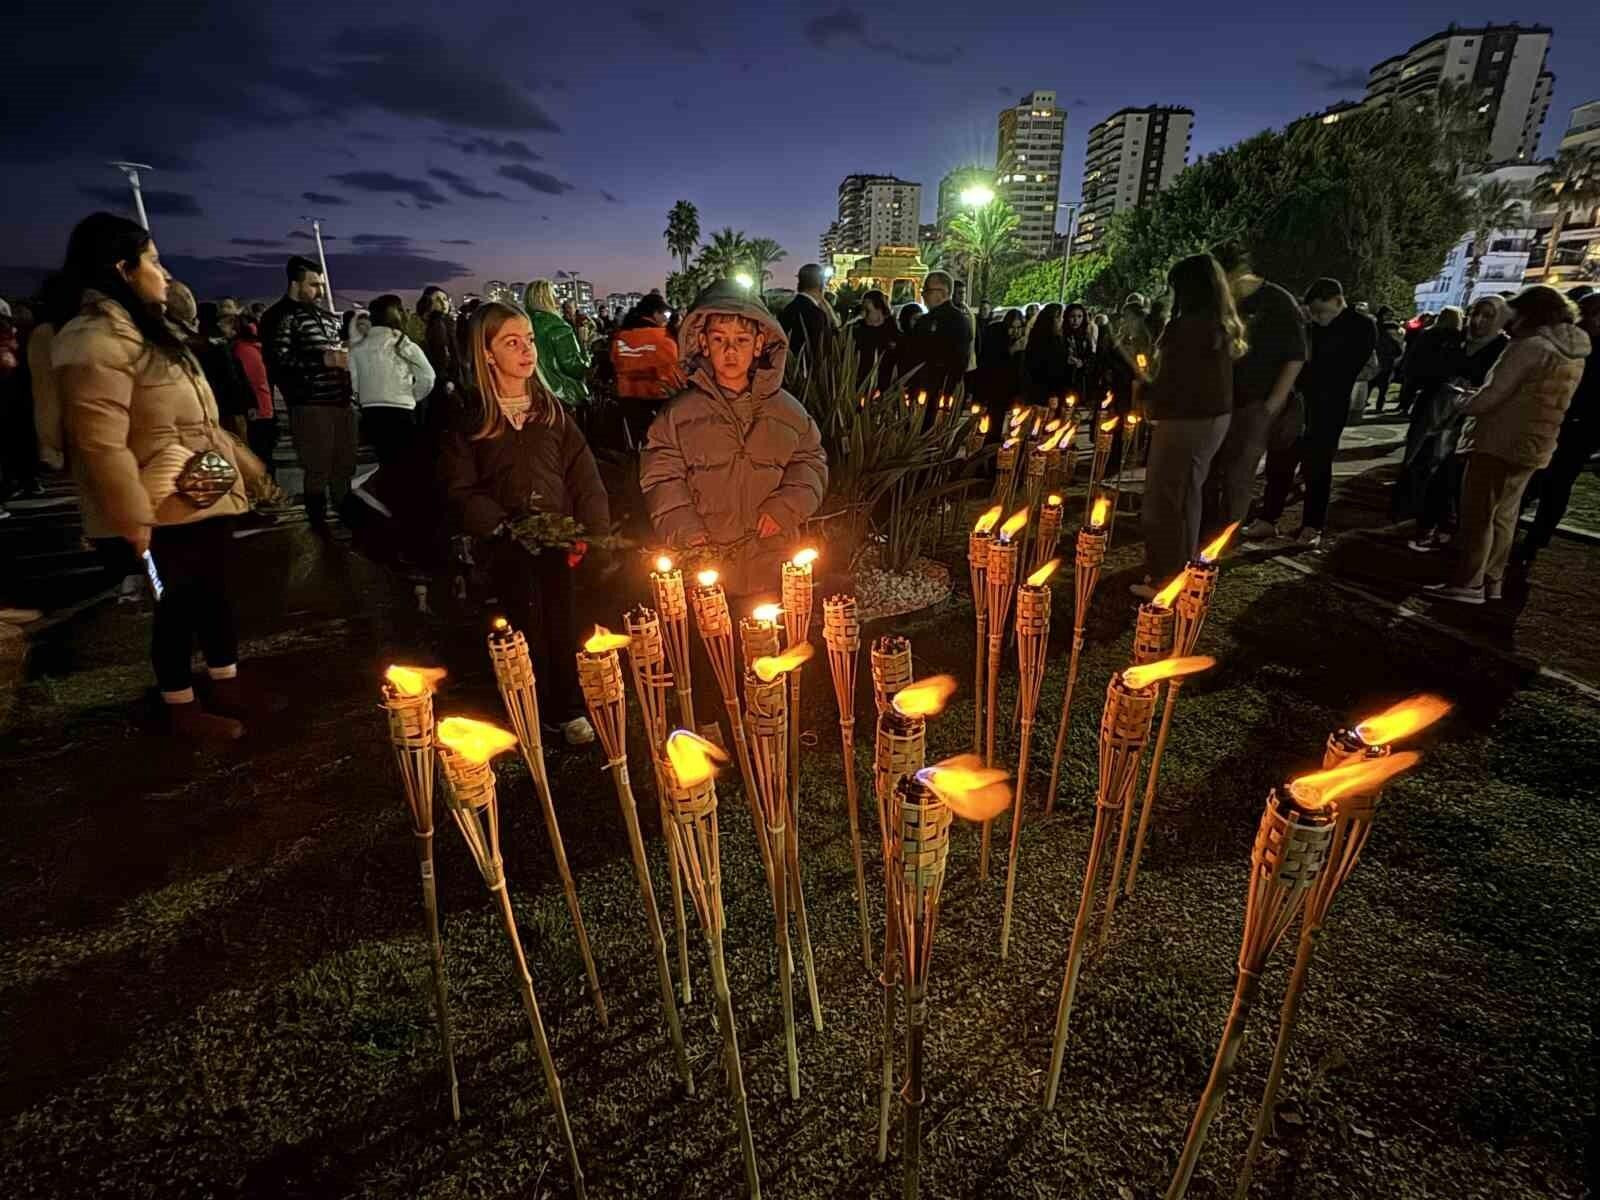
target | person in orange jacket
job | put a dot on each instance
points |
(645, 357)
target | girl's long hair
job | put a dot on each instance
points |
(1200, 289)
(99, 244)
(542, 295)
(1042, 330)
(477, 331)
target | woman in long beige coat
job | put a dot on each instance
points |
(153, 464)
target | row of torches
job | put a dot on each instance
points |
(1314, 823)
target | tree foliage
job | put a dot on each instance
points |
(983, 237)
(683, 231)
(1571, 183)
(1040, 282)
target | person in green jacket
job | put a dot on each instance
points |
(563, 360)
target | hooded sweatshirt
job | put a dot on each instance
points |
(388, 369)
(714, 463)
(1516, 415)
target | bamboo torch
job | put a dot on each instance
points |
(1129, 441)
(652, 680)
(1105, 434)
(1000, 579)
(513, 672)
(1193, 603)
(1055, 457)
(666, 584)
(1092, 539)
(797, 605)
(1069, 459)
(1370, 739)
(978, 542)
(891, 669)
(690, 773)
(901, 751)
(408, 704)
(715, 623)
(1153, 634)
(1291, 852)
(1124, 728)
(767, 720)
(918, 853)
(600, 674)
(841, 633)
(976, 434)
(1033, 639)
(1049, 531)
(465, 748)
(1005, 468)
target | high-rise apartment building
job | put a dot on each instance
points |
(1502, 67)
(1132, 155)
(579, 291)
(1028, 167)
(954, 183)
(875, 210)
(1584, 129)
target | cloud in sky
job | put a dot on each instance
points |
(156, 202)
(514, 149)
(327, 198)
(845, 26)
(462, 186)
(1333, 78)
(420, 191)
(539, 181)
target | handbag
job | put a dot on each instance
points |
(206, 478)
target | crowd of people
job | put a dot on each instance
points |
(165, 411)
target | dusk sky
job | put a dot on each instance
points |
(451, 144)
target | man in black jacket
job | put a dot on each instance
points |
(942, 341)
(311, 367)
(807, 321)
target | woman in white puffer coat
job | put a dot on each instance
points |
(390, 374)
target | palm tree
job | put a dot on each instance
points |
(1463, 126)
(1571, 183)
(1493, 206)
(983, 235)
(726, 253)
(763, 253)
(683, 231)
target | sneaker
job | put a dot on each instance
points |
(1494, 589)
(578, 731)
(1260, 530)
(1309, 537)
(1425, 543)
(1449, 591)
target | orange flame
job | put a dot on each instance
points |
(1102, 510)
(1145, 676)
(1038, 423)
(806, 557)
(971, 790)
(769, 668)
(1106, 403)
(1053, 500)
(1042, 576)
(1072, 399)
(922, 397)
(1359, 778)
(694, 760)
(1051, 442)
(663, 564)
(414, 681)
(1008, 443)
(768, 613)
(603, 641)
(1055, 424)
(707, 578)
(1133, 419)
(975, 409)
(1210, 552)
(983, 425)
(1109, 424)
(1402, 720)
(988, 520)
(499, 624)
(1141, 360)
(924, 697)
(1165, 597)
(475, 741)
(1013, 525)
(1072, 432)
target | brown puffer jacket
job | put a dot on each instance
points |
(134, 418)
(1516, 415)
(713, 464)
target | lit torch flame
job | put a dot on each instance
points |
(1134, 419)
(475, 741)
(1051, 442)
(969, 789)
(1042, 576)
(1149, 674)
(1109, 424)
(924, 697)
(806, 557)
(694, 760)
(1101, 510)
(988, 520)
(1165, 597)
(975, 409)
(1361, 777)
(983, 425)
(500, 624)
(1142, 361)
(1052, 500)
(922, 397)
(1072, 399)
(663, 565)
(1210, 553)
(1106, 403)
(767, 613)
(1013, 525)
(1402, 720)
(413, 681)
(707, 578)
(1055, 424)
(1038, 423)
(603, 641)
(768, 669)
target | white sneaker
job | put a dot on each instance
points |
(1309, 537)
(1260, 531)
(1461, 595)
(578, 731)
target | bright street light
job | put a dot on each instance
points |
(977, 196)
(743, 280)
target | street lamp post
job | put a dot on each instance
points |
(1072, 207)
(322, 259)
(131, 170)
(977, 196)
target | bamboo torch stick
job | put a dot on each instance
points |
(1291, 851)
(1049, 532)
(1091, 553)
(918, 853)
(1124, 728)
(408, 704)
(978, 542)
(1105, 434)
(465, 748)
(1005, 466)
(513, 672)
(651, 681)
(1371, 739)
(715, 623)
(901, 751)
(1193, 603)
(797, 605)
(841, 633)
(1129, 440)
(1152, 641)
(600, 675)
(1000, 579)
(666, 584)
(767, 719)
(891, 669)
(1033, 639)
(690, 774)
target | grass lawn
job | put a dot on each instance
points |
(1584, 509)
(215, 981)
